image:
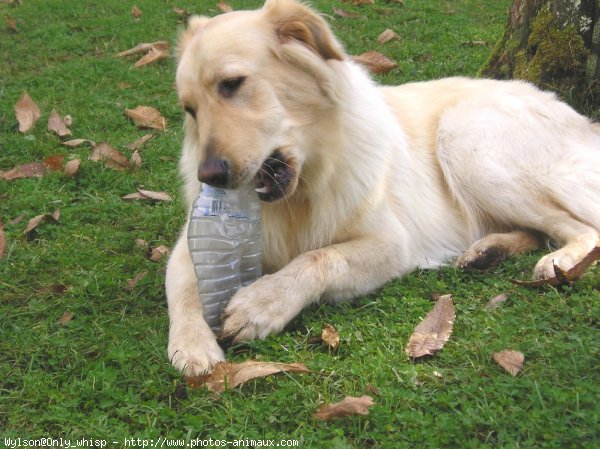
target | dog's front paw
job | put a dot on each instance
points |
(193, 348)
(544, 269)
(260, 309)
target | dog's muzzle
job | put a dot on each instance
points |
(274, 178)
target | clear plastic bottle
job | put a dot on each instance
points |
(224, 241)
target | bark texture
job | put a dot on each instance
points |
(554, 44)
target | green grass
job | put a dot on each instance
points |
(105, 373)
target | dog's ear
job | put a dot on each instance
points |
(195, 24)
(296, 22)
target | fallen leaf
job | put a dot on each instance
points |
(475, 43)
(152, 56)
(431, 334)
(136, 12)
(146, 117)
(227, 375)
(347, 407)
(387, 36)
(137, 144)
(57, 125)
(110, 156)
(27, 112)
(54, 289)
(132, 283)
(345, 14)
(495, 302)
(38, 219)
(145, 47)
(157, 253)
(77, 142)
(65, 318)
(72, 167)
(375, 62)
(11, 23)
(224, 6)
(511, 361)
(330, 336)
(141, 243)
(371, 389)
(17, 220)
(180, 11)
(565, 277)
(54, 162)
(136, 159)
(363, 2)
(148, 195)
(31, 170)
(2, 239)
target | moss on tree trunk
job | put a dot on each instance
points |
(554, 44)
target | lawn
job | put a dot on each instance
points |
(83, 349)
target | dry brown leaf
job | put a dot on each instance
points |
(27, 112)
(31, 170)
(137, 144)
(2, 239)
(224, 6)
(11, 23)
(54, 162)
(142, 194)
(158, 252)
(145, 47)
(146, 117)
(110, 156)
(65, 318)
(371, 389)
(345, 14)
(132, 283)
(136, 12)
(495, 302)
(475, 43)
(363, 2)
(136, 159)
(141, 243)
(431, 334)
(151, 57)
(387, 36)
(57, 125)
(330, 336)
(72, 167)
(349, 406)
(375, 62)
(227, 375)
(180, 11)
(565, 277)
(17, 220)
(38, 219)
(511, 361)
(77, 142)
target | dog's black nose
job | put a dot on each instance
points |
(214, 172)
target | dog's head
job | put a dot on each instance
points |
(250, 82)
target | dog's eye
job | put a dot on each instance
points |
(229, 86)
(190, 111)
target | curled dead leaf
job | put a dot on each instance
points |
(158, 252)
(387, 36)
(65, 318)
(375, 62)
(565, 277)
(72, 167)
(180, 11)
(511, 361)
(103, 152)
(495, 302)
(363, 2)
(11, 23)
(431, 333)
(348, 406)
(31, 170)
(77, 142)
(151, 57)
(38, 219)
(146, 117)
(136, 159)
(27, 113)
(137, 144)
(148, 195)
(54, 162)
(136, 12)
(227, 375)
(145, 47)
(345, 14)
(330, 336)
(57, 124)
(132, 283)
(224, 6)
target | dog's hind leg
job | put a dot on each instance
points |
(494, 248)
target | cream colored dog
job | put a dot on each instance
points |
(360, 184)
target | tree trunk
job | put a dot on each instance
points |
(554, 44)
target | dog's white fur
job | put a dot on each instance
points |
(387, 178)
